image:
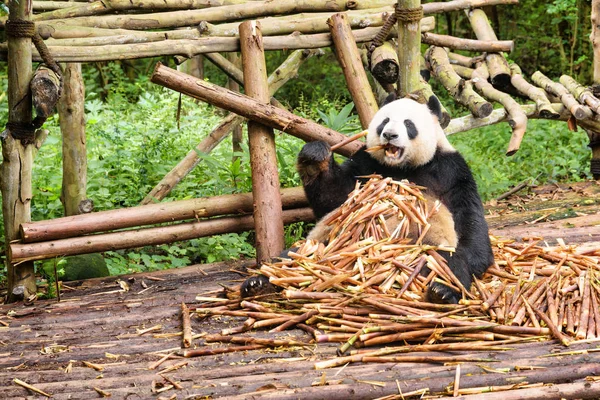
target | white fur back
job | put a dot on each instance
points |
(417, 151)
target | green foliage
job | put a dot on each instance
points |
(549, 152)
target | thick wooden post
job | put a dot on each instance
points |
(17, 154)
(72, 125)
(595, 39)
(409, 14)
(263, 159)
(349, 59)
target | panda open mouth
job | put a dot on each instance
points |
(392, 151)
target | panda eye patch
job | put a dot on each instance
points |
(411, 129)
(382, 125)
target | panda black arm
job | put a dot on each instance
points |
(326, 183)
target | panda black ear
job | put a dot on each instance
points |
(435, 106)
(389, 98)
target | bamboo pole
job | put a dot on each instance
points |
(72, 126)
(533, 92)
(261, 143)
(17, 154)
(467, 44)
(250, 108)
(349, 59)
(517, 118)
(102, 221)
(575, 390)
(496, 63)
(460, 90)
(142, 237)
(581, 93)
(409, 45)
(579, 111)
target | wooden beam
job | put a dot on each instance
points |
(249, 108)
(409, 46)
(20, 252)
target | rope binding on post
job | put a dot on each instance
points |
(20, 28)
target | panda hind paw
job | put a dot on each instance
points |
(441, 294)
(257, 285)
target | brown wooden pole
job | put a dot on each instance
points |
(261, 143)
(236, 134)
(249, 108)
(72, 126)
(17, 154)
(409, 45)
(102, 221)
(143, 237)
(349, 59)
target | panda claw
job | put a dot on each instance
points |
(441, 294)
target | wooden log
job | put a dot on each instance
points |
(175, 19)
(71, 112)
(579, 111)
(312, 22)
(517, 118)
(250, 108)
(595, 38)
(409, 47)
(45, 91)
(384, 64)
(575, 390)
(581, 93)
(153, 44)
(278, 78)
(349, 59)
(470, 122)
(142, 237)
(261, 142)
(459, 89)
(496, 63)
(102, 221)
(106, 7)
(492, 46)
(533, 92)
(44, 5)
(17, 154)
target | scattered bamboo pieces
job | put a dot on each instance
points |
(362, 287)
(30, 387)
(186, 325)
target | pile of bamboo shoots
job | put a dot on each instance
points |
(365, 287)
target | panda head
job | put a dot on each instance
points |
(407, 133)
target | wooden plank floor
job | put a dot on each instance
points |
(47, 343)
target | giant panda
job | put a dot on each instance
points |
(406, 141)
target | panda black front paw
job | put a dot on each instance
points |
(441, 294)
(313, 159)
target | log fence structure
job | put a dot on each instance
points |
(378, 37)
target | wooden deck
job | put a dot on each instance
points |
(48, 344)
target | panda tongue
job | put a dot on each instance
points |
(392, 151)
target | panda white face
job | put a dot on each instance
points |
(405, 133)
